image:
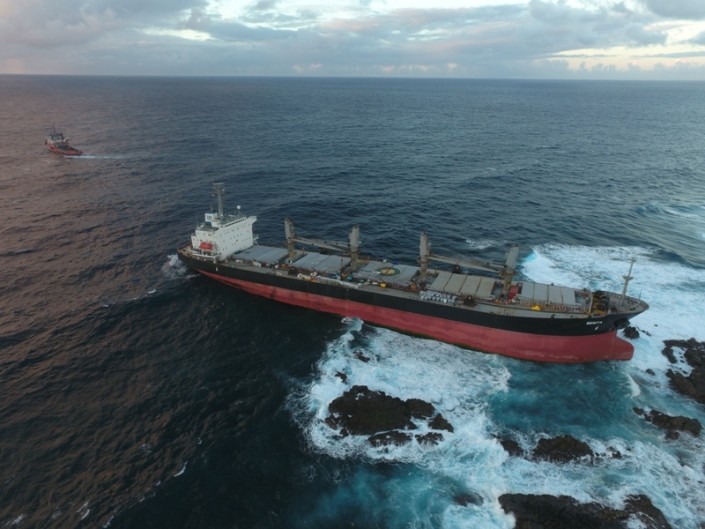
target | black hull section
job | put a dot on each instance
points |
(535, 324)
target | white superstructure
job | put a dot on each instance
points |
(220, 235)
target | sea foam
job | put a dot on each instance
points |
(462, 385)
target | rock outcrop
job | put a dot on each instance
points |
(562, 449)
(631, 332)
(693, 385)
(559, 512)
(390, 421)
(385, 420)
(672, 424)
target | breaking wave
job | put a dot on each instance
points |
(487, 397)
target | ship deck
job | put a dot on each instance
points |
(442, 286)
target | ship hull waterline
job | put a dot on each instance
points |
(65, 152)
(524, 346)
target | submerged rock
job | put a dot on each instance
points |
(468, 498)
(361, 356)
(394, 437)
(558, 512)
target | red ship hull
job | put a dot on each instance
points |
(71, 151)
(520, 345)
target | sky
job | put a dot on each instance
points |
(528, 39)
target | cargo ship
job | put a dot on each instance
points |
(484, 306)
(58, 143)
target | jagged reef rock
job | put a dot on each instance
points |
(562, 449)
(511, 447)
(631, 332)
(560, 512)
(672, 424)
(693, 385)
(385, 419)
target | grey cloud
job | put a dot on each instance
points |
(62, 23)
(679, 9)
(57, 24)
(682, 54)
(479, 41)
(265, 5)
(231, 31)
(568, 27)
(264, 12)
(132, 8)
(107, 36)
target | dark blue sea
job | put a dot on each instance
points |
(134, 394)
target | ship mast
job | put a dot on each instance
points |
(290, 235)
(336, 246)
(505, 270)
(627, 278)
(354, 246)
(219, 189)
(424, 254)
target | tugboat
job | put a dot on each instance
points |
(494, 312)
(56, 142)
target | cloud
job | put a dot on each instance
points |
(472, 38)
(63, 23)
(52, 24)
(566, 27)
(678, 9)
(226, 31)
(145, 9)
(482, 41)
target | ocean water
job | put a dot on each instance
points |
(136, 394)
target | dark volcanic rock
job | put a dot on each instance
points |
(672, 424)
(640, 507)
(556, 512)
(511, 447)
(668, 353)
(440, 423)
(562, 449)
(361, 411)
(693, 385)
(430, 438)
(559, 512)
(631, 332)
